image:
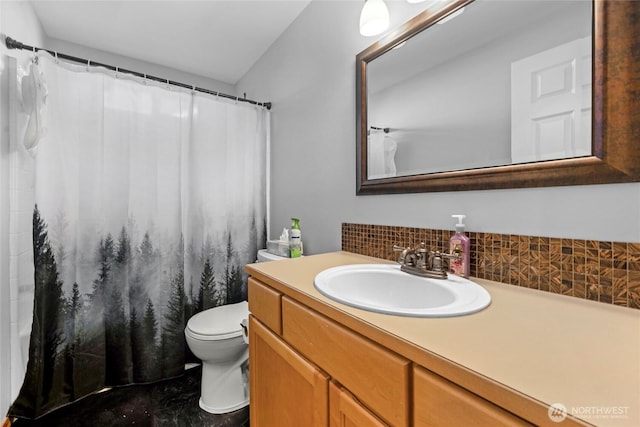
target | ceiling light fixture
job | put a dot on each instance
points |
(374, 18)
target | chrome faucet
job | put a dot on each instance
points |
(423, 262)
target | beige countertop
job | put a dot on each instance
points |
(551, 348)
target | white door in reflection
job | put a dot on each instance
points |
(551, 103)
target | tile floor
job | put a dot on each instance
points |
(165, 404)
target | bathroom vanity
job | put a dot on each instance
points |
(316, 362)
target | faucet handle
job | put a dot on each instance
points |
(440, 258)
(422, 248)
(409, 257)
(403, 255)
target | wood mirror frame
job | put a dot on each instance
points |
(615, 121)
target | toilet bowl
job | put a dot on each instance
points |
(215, 336)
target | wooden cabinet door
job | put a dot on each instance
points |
(346, 411)
(439, 402)
(286, 390)
(380, 378)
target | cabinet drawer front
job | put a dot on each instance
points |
(378, 377)
(439, 402)
(265, 304)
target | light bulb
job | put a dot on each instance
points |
(374, 18)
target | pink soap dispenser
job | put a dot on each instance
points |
(459, 245)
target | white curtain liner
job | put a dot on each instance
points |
(91, 68)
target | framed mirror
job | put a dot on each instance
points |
(485, 94)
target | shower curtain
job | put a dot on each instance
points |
(381, 151)
(149, 201)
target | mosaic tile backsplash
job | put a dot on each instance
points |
(608, 272)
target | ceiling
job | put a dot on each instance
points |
(218, 39)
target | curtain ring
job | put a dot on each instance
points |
(117, 72)
(88, 64)
(56, 55)
(145, 79)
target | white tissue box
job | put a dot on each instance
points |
(278, 247)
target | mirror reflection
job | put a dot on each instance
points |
(494, 83)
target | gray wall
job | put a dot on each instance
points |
(309, 75)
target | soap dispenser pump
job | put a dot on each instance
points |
(295, 239)
(459, 245)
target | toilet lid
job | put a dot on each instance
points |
(219, 322)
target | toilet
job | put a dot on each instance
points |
(216, 337)
(264, 256)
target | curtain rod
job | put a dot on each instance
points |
(385, 130)
(14, 44)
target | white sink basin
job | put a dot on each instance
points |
(383, 288)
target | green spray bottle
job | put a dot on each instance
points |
(295, 239)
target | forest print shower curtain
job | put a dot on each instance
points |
(149, 202)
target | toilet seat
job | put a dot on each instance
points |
(264, 256)
(218, 323)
